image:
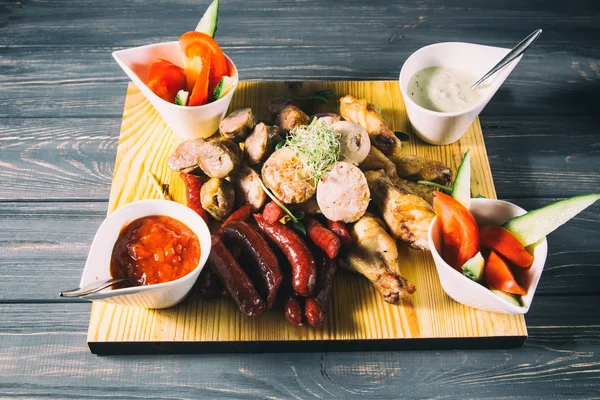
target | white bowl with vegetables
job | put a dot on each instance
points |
(490, 254)
(189, 82)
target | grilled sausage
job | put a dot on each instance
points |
(329, 118)
(264, 260)
(272, 212)
(302, 262)
(284, 175)
(292, 310)
(261, 143)
(291, 117)
(325, 239)
(248, 189)
(354, 141)
(218, 198)
(208, 283)
(237, 125)
(238, 285)
(193, 185)
(241, 214)
(217, 158)
(316, 306)
(343, 193)
(339, 228)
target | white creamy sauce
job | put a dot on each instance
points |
(444, 89)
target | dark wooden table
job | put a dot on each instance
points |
(61, 99)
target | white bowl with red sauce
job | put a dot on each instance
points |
(473, 294)
(187, 122)
(159, 295)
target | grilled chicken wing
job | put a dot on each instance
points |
(377, 160)
(415, 168)
(407, 216)
(376, 257)
(364, 114)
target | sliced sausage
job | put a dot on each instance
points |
(343, 193)
(284, 175)
(261, 143)
(217, 158)
(315, 308)
(248, 189)
(238, 285)
(237, 125)
(339, 228)
(329, 118)
(241, 214)
(302, 262)
(208, 283)
(354, 141)
(291, 117)
(264, 260)
(218, 198)
(272, 212)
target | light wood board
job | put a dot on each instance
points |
(358, 318)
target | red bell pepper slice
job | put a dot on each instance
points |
(194, 44)
(498, 275)
(165, 79)
(504, 243)
(460, 235)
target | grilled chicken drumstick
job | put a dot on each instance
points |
(375, 255)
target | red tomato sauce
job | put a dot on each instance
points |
(154, 249)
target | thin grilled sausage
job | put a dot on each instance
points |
(302, 262)
(193, 184)
(234, 278)
(325, 239)
(293, 310)
(339, 228)
(241, 214)
(254, 245)
(208, 284)
(272, 212)
(315, 307)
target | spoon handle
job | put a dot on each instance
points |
(514, 53)
(93, 288)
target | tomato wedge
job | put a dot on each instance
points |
(504, 243)
(195, 44)
(498, 275)
(460, 235)
(165, 79)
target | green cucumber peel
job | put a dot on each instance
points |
(208, 23)
(461, 189)
(473, 269)
(537, 224)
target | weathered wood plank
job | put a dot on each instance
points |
(44, 354)
(73, 158)
(44, 247)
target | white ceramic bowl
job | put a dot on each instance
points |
(444, 128)
(187, 122)
(161, 295)
(472, 294)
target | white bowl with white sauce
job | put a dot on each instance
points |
(436, 80)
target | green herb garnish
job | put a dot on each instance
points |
(280, 145)
(160, 190)
(316, 146)
(480, 196)
(436, 185)
(403, 136)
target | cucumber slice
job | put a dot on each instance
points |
(461, 190)
(511, 298)
(223, 87)
(473, 269)
(533, 226)
(182, 98)
(208, 23)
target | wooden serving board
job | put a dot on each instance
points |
(358, 318)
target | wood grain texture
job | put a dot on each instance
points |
(44, 355)
(357, 311)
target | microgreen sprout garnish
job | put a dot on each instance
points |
(161, 190)
(316, 146)
(403, 136)
(436, 185)
(295, 220)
